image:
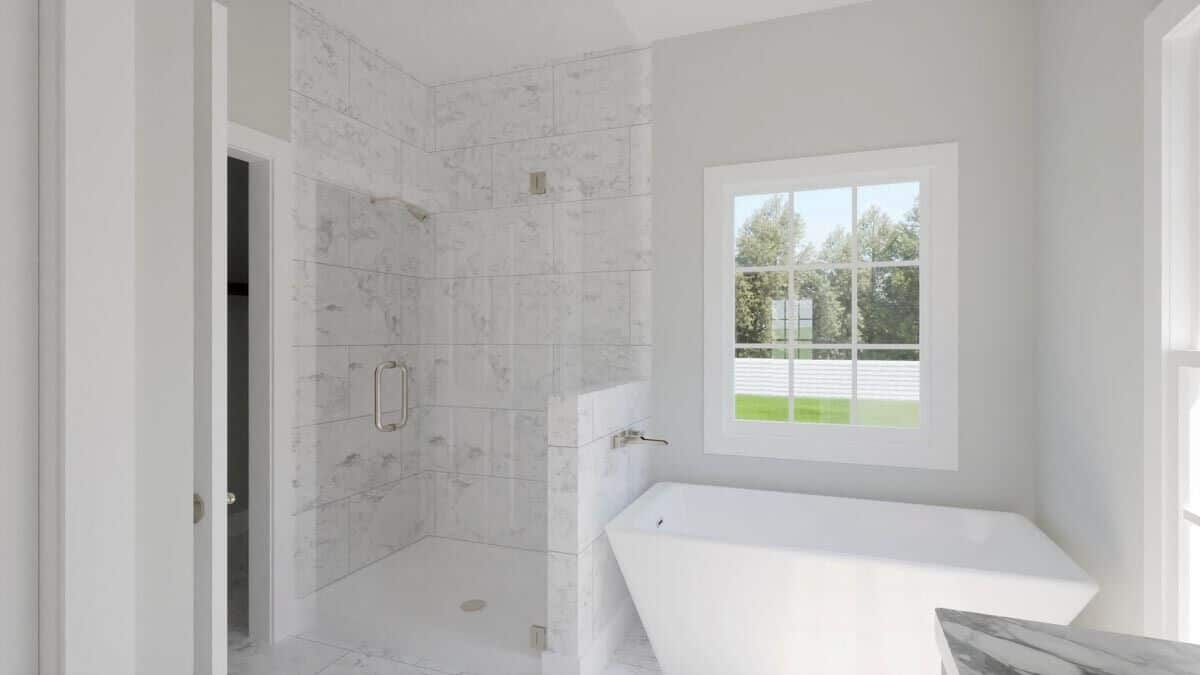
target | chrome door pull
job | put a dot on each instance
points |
(379, 396)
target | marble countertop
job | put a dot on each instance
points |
(981, 644)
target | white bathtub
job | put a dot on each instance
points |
(746, 582)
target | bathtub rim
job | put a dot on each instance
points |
(623, 525)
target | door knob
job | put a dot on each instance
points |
(230, 498)
(197, 508)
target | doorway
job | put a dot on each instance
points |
(237, 398)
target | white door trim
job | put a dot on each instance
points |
(87, 364)
(210, 462)
(1171, 41)
(271, 405)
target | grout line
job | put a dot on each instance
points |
(552, 64)
(485, 475)
(346, 33)
(484, 543)
(356, 120)
(528, 205)
(553, 135)
(360, 269)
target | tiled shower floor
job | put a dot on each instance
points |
(402, 616)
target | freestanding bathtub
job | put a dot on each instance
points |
(747, 582)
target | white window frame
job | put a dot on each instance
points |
(934, 445)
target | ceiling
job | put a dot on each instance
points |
(440, 41)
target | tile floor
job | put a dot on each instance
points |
(402, 616)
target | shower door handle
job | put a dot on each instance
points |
(387, 365)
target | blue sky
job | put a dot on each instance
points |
(825, 211)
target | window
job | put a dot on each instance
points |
(831, 308)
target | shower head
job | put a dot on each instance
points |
(417, 212)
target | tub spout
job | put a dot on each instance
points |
(631, 436)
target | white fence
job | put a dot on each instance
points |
(883, 380)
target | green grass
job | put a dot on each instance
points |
(829, 411)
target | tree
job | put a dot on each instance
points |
(888, 297)
(766, 238)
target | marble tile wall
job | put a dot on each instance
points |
(496, 302)
(533, 295)
(590, 482)
(358, 494)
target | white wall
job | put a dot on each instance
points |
(259, 65)
(1089, 317)
(883, 74)
(18, 338)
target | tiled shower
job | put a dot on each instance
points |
(497, 301)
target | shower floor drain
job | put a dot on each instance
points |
(473, 605)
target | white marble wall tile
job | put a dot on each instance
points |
(604, 92)
(390, 455)
(458, 440)
(604, 235)
(531, 233)
(334, 460)
(320, 60)
(322, 549)
(606, 308)
(462, 507)
(589, 506)
(562, 526)
(429, 501)
(517, 513)
(328, 464)
(568, 368)
(472, 311)
(436, 438)
(322, 309)
(361, 367)
(495, 242)
(452, 180)
(579, 166)
(319, 217)
(321, 384)
(533, 376)
(610, 411)
(504, 320)
(338, 149)
(518, 446)
(495, 109)
(384, 520)
(386, 237)
(477, 377)
(586, 571)
(437, 311)
(611, 595)
(641, 159)
(570, 420)
(606, 365)
(548, 309)
(384, 309)
(641, 305)
(387, 98)
(469, 244)
(562, 603)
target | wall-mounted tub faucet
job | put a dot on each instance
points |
(632, 436)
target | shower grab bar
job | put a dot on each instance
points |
(386, 365)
